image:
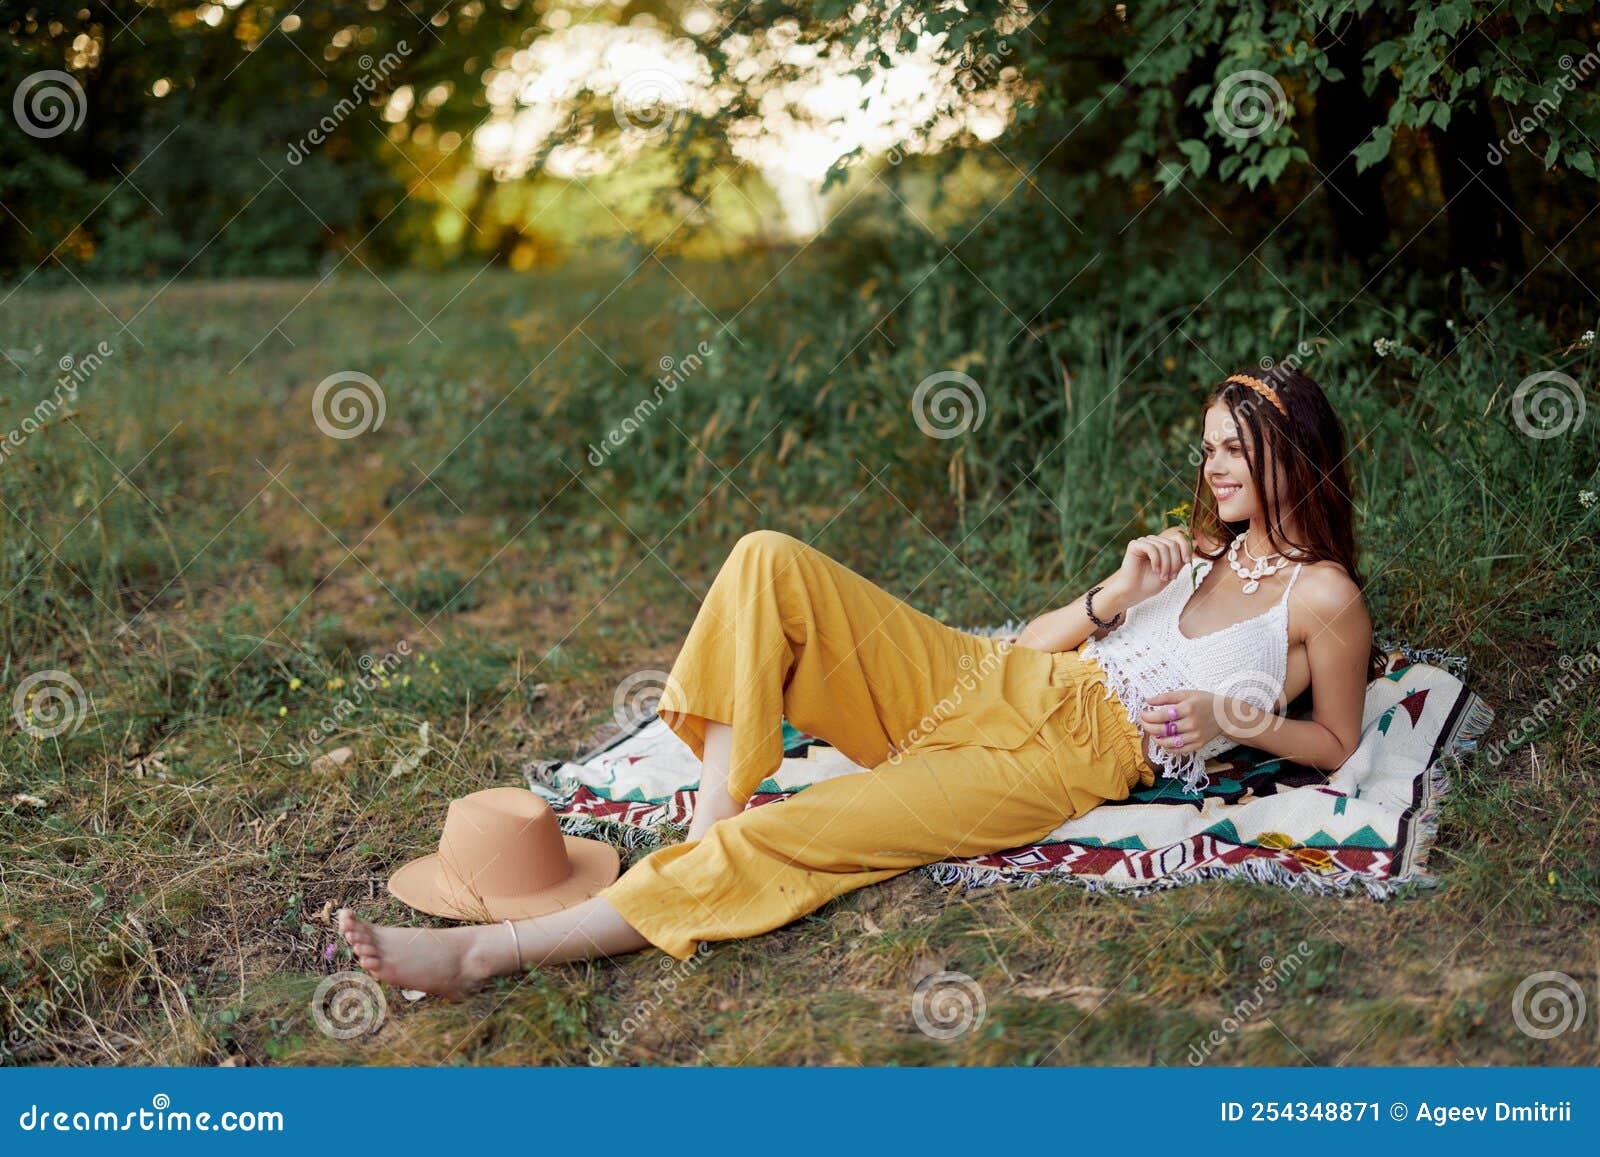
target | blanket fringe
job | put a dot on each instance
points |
(973, 876)
(1425, 823)
(625, 836)
(1474, 722)
(1452, 661)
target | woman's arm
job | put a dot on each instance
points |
(1338, 645)
(1148, 564)
(1065, 628)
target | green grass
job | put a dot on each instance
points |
(210, 567)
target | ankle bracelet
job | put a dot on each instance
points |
(515, 942)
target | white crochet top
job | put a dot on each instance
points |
(1146, 654)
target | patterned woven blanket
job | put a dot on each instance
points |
(1368, 825)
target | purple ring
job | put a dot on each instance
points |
(1180, 741)
(1171, 730)
(1172, 710)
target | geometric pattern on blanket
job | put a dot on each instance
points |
(1367, 826)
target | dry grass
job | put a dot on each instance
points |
(168, 875)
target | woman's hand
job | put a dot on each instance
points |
(1194, 719)
(1151, 562)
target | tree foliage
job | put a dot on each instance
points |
(1348, 125)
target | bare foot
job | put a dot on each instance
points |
(439, 961)
(711, 805)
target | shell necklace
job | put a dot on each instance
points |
(1262, 569)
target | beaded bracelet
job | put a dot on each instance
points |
(1088, 607)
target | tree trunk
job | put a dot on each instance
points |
(1345, 116)
(1484, 234)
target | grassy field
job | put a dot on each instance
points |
(211, 568)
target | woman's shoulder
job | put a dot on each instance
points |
(1326, 589)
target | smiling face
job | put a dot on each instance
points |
(1299, 502)
(1226, 471)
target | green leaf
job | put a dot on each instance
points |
(1272, 165)
(1370, 152)
(1383, 55)
(1199, 155)
(1508, 87)
(1125, 164)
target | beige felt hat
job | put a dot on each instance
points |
(502, 856)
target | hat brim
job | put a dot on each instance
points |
(422, 884)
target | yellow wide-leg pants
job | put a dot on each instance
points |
(973, 745)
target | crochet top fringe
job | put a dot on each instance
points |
(1148, 655)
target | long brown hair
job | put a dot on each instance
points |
(1307, 445)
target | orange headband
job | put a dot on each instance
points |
(1261, 388)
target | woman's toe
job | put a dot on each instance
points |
(355, 930)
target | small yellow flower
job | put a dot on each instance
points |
(1180, 511)
(405, 681)
(384, 684)
(282, 711)
(434, 667)
(335, 683)
(1551, 877)
(294, 684)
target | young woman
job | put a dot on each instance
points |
(975, 745)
